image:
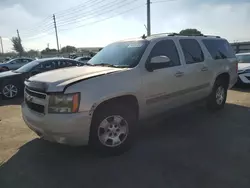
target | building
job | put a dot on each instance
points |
(241, 47)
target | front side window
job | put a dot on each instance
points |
(45, 66)
(26, 60)
(66, 63)
(166, 48)
(120, 54)
(192, 51)
(219, 49)
(243, 58)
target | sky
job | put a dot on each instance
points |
(96, 23)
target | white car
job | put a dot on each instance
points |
(244, 68)
(100, 103)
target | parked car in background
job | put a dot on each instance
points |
(244, 68)
(14, 64)
(125, 82)
(12, 82)
(84, 59)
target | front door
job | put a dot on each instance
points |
(163, 85)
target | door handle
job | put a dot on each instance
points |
(179, 74)
(204, 69)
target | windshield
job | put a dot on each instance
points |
(28, 66)
(120, 54)
(243, 58)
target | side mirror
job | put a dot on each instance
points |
(160, 59)
(157, 62)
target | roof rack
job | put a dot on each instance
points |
(177, 34)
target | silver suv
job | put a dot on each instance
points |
(100, 103)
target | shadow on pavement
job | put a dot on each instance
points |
(242, 88)
(15, 101)
(192, 149)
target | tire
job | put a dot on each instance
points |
(217, 99)
(105, 129)
(14, 90)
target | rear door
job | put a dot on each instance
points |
(198, 74)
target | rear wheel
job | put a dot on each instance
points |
(112, 129)
(217, 98)
(10, 90)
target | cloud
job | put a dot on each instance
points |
(228, 18)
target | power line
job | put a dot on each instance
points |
(41, 24)
(74, 8)
(121, 13)
(161, 1)
(97, 10)
(79, 7)
(95, 15)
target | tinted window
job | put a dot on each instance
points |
(15, 61)
(25, 60)
(192, 51)
(219, 49)
(243, 58)
(45, 66)
(166, 48)
(66, 63)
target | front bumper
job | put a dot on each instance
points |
(70, 129)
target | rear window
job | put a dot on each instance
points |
(219, 49)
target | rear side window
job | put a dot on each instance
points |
(192, 51)
(219, 49)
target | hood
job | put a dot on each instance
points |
(243, 66)
(3, 64)
(56, 80)
(8, 73)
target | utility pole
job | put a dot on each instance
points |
(54, 18)
(18, 35)
(148, 18)
(1, 42)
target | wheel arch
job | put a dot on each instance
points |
(128, 100)
(223, 76)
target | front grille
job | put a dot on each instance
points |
(35, 107)
(35, 94)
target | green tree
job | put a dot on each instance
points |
(190, 32)
(48, 50)
(17, 45)
(68, 49)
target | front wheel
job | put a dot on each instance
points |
(111, 129)
(217, 98)
(10, 90)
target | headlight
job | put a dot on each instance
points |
(64, 103)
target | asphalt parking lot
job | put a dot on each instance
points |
(191, 149)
